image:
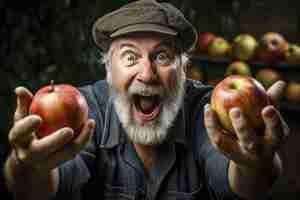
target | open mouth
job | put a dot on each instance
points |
(147, 107)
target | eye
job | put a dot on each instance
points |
(130, 58)
(163, 58)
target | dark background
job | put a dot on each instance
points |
(42, 40)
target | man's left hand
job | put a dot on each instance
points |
(256, 152)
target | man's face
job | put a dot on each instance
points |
(146, 79)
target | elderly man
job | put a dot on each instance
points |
(151, 133)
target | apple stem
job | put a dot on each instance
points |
(52, 86)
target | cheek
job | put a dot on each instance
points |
(169, 78)
(121, 77)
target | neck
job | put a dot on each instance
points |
(147, 154)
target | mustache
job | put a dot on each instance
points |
(139, 88)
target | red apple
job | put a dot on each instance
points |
(194, 72)
(268, 76)
(244, 47)
(243, 92)
(219, 48)
(204, 39)
(272, 48)
(293, 92)
(59, 106)
(292, 55)
(239, 68)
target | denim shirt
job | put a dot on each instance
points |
(109, 168)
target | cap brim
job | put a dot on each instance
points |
(144, 28)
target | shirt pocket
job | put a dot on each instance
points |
(121, 193)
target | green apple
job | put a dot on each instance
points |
(292, 55)
(238, 67)
(244, 47)
(293, 92)
(219, 48)
(268, 76)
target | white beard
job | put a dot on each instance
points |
(155, 132)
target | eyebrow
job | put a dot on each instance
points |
(164, 43)
(122, 45)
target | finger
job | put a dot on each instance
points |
(225, 143)
(70, 151)
(21, 132)
(24, 97)
(81, 140)
(276, 92)
(247, 138)
(274, 130)
(51, 143)
(211, 121)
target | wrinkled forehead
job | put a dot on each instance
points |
(148, 39)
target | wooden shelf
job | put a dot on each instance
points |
(222, 62)
(214, 69)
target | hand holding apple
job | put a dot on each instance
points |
(42, 154)
(59, 106)
(252, 151)
(243, 92)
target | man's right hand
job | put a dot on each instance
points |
(42, 155)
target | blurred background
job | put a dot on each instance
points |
(45, 40)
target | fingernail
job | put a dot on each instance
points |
(206, 107)
(36, 119)
(17, 90)
(236, 113)
(67, 132)
(282, 83)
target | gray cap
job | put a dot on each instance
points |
(144, 15)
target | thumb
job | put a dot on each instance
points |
(276, 92)
(24, 98)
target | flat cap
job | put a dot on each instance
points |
(144, 15)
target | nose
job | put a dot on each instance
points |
(148, 72)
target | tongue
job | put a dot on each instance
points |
(147, 104)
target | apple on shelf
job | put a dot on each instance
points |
(244, 47)
(194, 72)
(59, 106)
(238, 68)
(239, 91)
(292, 55)
(272, 48)
(268, 76)
(293, 92)
(204, 39)
(219, 48)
